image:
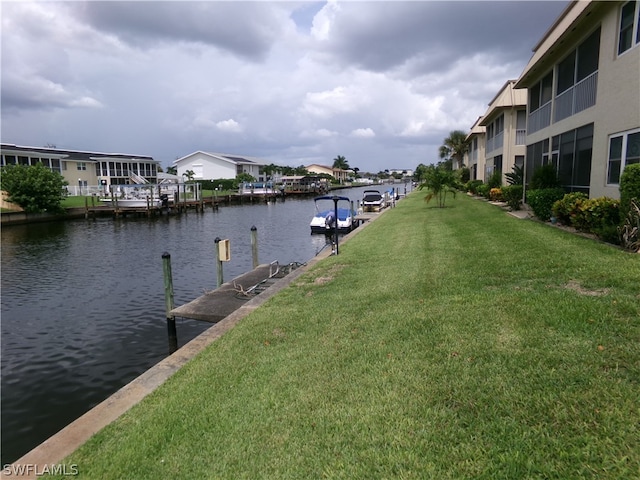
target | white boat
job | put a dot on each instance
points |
(372, 201)
(324, 220)
(132, 202)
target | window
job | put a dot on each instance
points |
(540, 94)
(579, 64)
(629, 28)
(81, 166)
(573, 151)
(624, 149)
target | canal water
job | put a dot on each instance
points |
(83, 301)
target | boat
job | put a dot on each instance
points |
(372, 201)
(132, 202)
(324, 220)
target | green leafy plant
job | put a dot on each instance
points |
(35, 188)
(600, 216)
(567, 207)
(472, 186)
(516, 176)
(629, 231)
(495, 180)
(512, 194)
(544, 177)
(629, 187)
(541, 201)
(438, 181)
(483, 190)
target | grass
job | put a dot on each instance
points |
(441, 343)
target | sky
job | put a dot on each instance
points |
(381, 83)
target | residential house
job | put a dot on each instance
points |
(210, 166)
(583, 105)
(337, 173)
(505, 131)
(85, 172)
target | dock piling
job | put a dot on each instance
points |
(218, 262)
(168, 299)
(254, 245)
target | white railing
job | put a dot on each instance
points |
(539, 119)
(521, 136)
(494, 143)
(577, 98)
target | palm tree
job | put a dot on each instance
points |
(438, 181)
(454, 148)
(341, 163)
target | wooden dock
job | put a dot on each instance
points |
(215, 305)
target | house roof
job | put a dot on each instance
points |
(232, 158)
(77, 155)
(507, 97)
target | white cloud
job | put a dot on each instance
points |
(229, 126)
(363, 133)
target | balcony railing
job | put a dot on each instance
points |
(579, 97)
(495, 142)
(540, 118)
(521, 136)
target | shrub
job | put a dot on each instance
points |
(483, 189)
(629, 231)
(472, 186)
(566, 208)
(495, 194)
(600, 216)
(541, 201)
(629, 187)
(512, 194)
(516, 176)
(35, 188)
(544, 177)
(495, 180)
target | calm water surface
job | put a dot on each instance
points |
(83, 301)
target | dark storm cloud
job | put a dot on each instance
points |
(433, 35)
(246, 29)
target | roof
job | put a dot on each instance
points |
(561, 35)
(507, 97)
(78, 155)
(229, 157)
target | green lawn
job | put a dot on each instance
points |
(441, 343)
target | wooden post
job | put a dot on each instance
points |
(168, 301)
(254, 245)
(218, 262)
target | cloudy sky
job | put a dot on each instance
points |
(381, 83)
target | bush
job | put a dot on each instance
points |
(472, 186)
(567, 207)
(544, 177)
(600, 216)
(629, 187)
(495, 180)
(512, 194)
(227, 184)
(516, 176)
(495, 194)
(629, 231)
(35, 188)
(541, 201)
(483, 190)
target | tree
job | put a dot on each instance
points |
(172, 170)
(438, 181)
(35, 188)
(341, 163)
(420, 172)
(189, 174)
(454, 148)
(245, 177)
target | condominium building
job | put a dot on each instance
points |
(576, 105)
(583, 102)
